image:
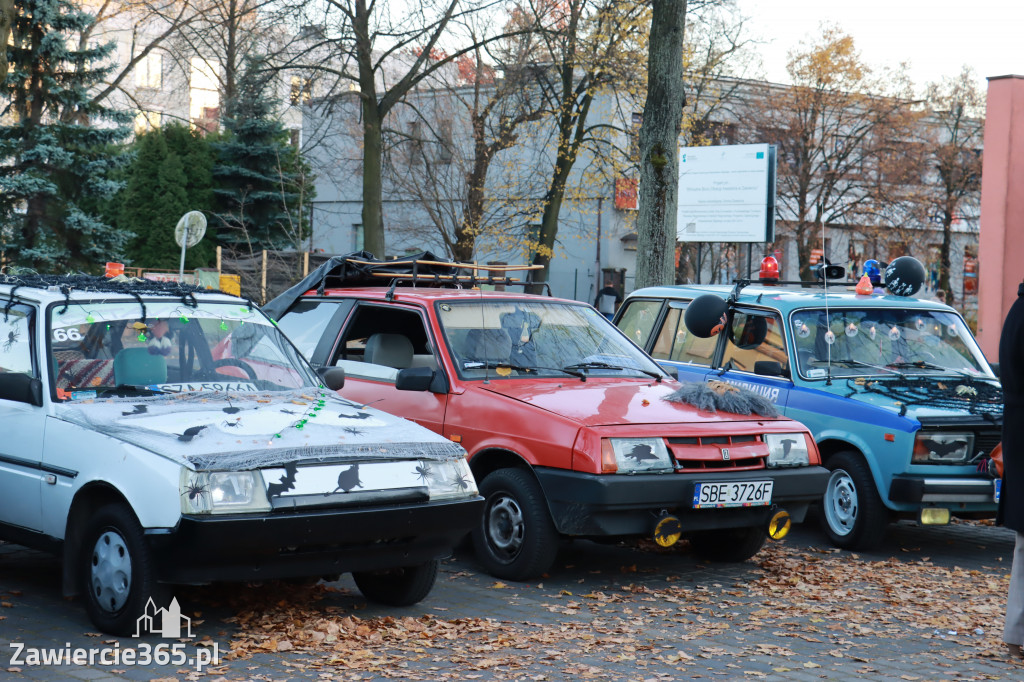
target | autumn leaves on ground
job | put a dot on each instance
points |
(818, 596)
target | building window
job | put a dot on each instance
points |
(149, 71)
(301, 91)
(357, 237)
(447, 143)
(146, 121)
(204, 93)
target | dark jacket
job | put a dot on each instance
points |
(1011, 375)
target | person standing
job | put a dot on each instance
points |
(1011, 501)
(608, 300)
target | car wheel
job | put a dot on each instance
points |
(853, 515)
(118, 573)
(398, 586)
(515, 538)
(731, 544)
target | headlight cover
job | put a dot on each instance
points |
(448, 479)
(635, 456)
(942, 448)
(787, 450)
(222, 492)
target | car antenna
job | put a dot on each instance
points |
(390, 295)
(828, 321)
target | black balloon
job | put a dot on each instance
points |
(705, 316)
(904, 276)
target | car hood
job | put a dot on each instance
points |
(605, 402)
(924, 398)
(217, 431)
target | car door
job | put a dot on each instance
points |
(377, 341)
(754, 340)
(23, 471)
(661, 332)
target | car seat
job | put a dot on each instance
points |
(390, 350)
(138, 367)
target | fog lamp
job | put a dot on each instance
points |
(934, 516)
(668, 530)
(779, 525)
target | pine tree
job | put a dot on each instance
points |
(254, 190)
(197, 157)
(153, 202)
(57, 158)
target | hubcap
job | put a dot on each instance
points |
(111, 572)
(505, 526)
(841, 503)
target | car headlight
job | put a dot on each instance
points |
(942, 448)
(222, 492)
(635, 456)
(787, 449)
(448, 479)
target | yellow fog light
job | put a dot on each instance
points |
(779, 525)
(668, 531)
(934, 516)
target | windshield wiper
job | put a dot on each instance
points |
(857, 363)
(923, 364)
(478, 364)
(605, 365)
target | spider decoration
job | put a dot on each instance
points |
(423, 472)
(237, 422)
(290, 412)
(12, 338)
(460, 482)
(352, 430)
(195, 490)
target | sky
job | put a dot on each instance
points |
(937, 38)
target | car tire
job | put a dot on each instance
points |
(852, 513)
(515, 538)
(729, 545)
(398, 586)
(117, 571)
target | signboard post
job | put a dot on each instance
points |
(727, 193)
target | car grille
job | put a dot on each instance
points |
(984, 442)
(708, 453)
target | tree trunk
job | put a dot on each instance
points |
(659, 146)
(6, 19)
(373, 162)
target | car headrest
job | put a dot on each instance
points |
(139, 367)
(391, 350)
(488, 345)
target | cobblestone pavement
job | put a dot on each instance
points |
(606, 612)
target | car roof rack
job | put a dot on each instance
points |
(362, 269)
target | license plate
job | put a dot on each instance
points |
(738, 494)
(999, 489)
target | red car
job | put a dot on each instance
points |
(571, 430)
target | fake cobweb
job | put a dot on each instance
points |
(243, 431)
(975, 397)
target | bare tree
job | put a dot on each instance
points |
(956, 126)
(837, 128)
(659, 146)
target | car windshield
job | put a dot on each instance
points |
(497, 339)
(161, 346)
(884, 341)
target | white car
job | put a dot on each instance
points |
(156, 434)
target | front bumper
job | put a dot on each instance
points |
(286, 544)
(937, 490)
(602, 505)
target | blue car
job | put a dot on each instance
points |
(901, 401)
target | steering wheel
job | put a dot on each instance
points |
(235, 362)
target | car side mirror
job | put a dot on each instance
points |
(670, 370)
(21, 388)
(414, 379)
(333, 377)
(768, 368)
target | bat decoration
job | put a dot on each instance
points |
(139, 409)
(190, 433)
(286, 483)
(640, 453)
(349, 479)
(942, 449)
(361, 415)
